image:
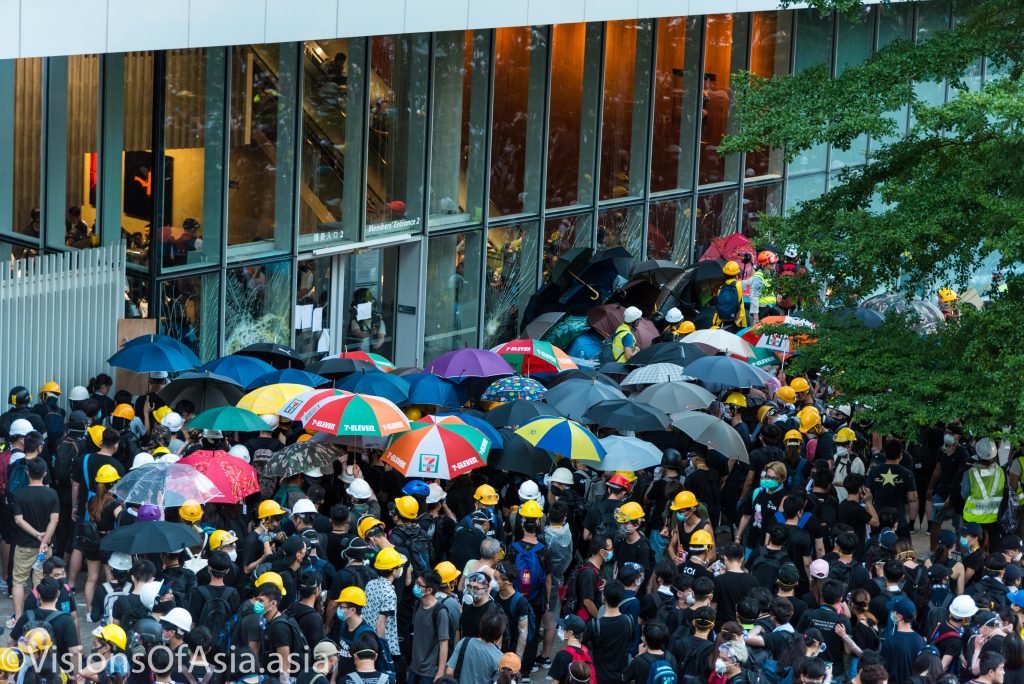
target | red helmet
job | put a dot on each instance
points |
(766, 258)
(618, 481)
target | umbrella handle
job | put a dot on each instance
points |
(597, 295)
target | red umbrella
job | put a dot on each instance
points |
(604, 319)
(730, 248)
(235, 478)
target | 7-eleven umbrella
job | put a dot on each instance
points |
(376, 359)
(563, 437)
(235, 478)
(271, 398)
(355, 414)
(776, 342)
(443, 451)
(304, 401)
(535, 356)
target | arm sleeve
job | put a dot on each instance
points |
(756, 286)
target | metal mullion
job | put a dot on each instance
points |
(485, 214)
(224, 199)
(542, 214)
(652, 98)
(698, 107)
(595, 211)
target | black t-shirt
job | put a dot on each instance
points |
(762, 510)
(639, 666)
(96, 461)
(730, 587)
(65, 600)
(694, 570)
(336, 543)
(975, 561)
(130, 603)
(198, 599)
(856, 516)
(799, 546)
(261, 449)
(890, 484)
(588, 584)
(279, 634)
(561, 662)
(251, 549)
(609, 639)
(799, 608)
(63, 627)
(35, 505)
(826, 619)
(637, 552)
(951, 464)
(469, 623)
(948, 640)
(603, 511)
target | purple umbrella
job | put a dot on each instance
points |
(470, 363)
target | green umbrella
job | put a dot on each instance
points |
(566, 330)
(228, 418)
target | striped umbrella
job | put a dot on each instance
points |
(369, 357)
(361, 415)
(535, 356)
(442, 451)
(564, 437)
(301, 403)
(513, 388)
(490, 432)
(271, 398)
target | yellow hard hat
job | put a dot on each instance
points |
(107, 474)
(701, 538)
(731, 268)
(407, 507)
(160, 450)
(9, 660)
(809, 418)
(191, 511)
(786, 394)
(219, 538)
(793, 436)
(630, 511)
(736, 399)
(352, 595)
(272, 578)
(448, 572)
(763, 412)
(49, 388)
(845, 435)
(682, 500)
(946, 295)
(531, 509)
(389, 559)
(304, 437)
(124, 411)
(268, 509)
(96, 435)
(800, 385)
(366, 524)
(413, 413)
(486, 494)
(115, 634)
(35, 641)
(685, 328)
(160, 413)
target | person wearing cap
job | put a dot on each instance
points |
(601, 517)
(325, 663)
(676, 328)
(893, 486)
(826, 618)
(734, 319)
(106, 594)
(972, 556)
(982, 489)
(785, 588)
(433, 640)
(901, 648)
(572, 628)
(288, 563)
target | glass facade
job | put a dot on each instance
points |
(407, 194)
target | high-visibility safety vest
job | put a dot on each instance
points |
(982, 505)
(618, 351)
(767, 297)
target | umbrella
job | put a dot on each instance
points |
(586, 347)
(713, 433)
(429, 389)
(581, 374)
(490, 432)
(534, 356)
(292, 376)
(657, 271)
(775, 342)
(301, 457)
(542, 301)
(565, 332)
(163, 340)
(228, 419)
(563, 437)
(607, 267)
(470, 363)
(376, 359)
(654, 374)
(277, 355)
(165, 485)
(518, 456)
(628, 454)
(580, 298)
(514, 387)
(303, 401)
(334, 367)
(868, 317)
(679, 353)
(626, 414)
(150, 357)
(639, 293)
(718, 373)
(515, 413)
(606, 318)
(235, 478)
(569, 264)
(270, 399)
(929, 315)
(204, 389)
(242, 369)
(541, 324)
(574, 397)
(732, 248)
(156, 536)
(377, 383)
(357, 415)
(675, 397)
(402, 371)
(721, 340)
(442, 451)
(613, 368)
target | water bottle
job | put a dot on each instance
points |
(38, 565)
(265, 537)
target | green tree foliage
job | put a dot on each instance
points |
(941, 200)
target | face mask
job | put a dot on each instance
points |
(467, 598)
(949, 440)
(361, 508)
(233, 555)
(608, 558)
(681, 517)
(258, 608)
(417, 591)
(1017, 558)
(769, 484)
(690, 468)
(690, 599)
(340, 612)
(842, 451)
(964, 542)
(720, 666)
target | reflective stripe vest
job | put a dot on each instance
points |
(982, 505)
(767, 297)
(618, 351)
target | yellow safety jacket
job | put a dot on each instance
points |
(618, 351)
(982, 505)
(767, 297)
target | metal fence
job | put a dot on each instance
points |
(58, 317)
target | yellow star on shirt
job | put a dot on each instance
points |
(889, 478)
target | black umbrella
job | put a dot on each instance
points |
(277, 355)
(869, 317)
(626, 414)
(681, 287)
(657, 271)
(679, 353)
(204, 389)
(570, 264)
(614, 368)
(518, 456)
(335, 367)
(607, 267)
(580, 374)
(639, 293)
(516, 413)
(156, 536)
(542, 301)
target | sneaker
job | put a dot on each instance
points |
(542, 662)
(11, 622)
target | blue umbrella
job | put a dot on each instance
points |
(480, 424)
(165, 340)
(241, 369)
(427, 388)
(377, 383)
(292, 376)
(150, 357)
(719, 373)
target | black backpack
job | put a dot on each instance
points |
(216, 615)
(132, 615)
(767, 564)
(571, 602)
(918, 588)
(298, 645)
(34, 619)
(841, 572)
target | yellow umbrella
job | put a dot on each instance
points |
(271, 398)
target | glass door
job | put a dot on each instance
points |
(314, 334)
(371, 285)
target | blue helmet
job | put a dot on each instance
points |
(417, 488)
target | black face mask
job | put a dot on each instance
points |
(833, 423)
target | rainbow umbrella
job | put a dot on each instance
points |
(271, 398)
(535, 356)
(564, 437)
(360, 415)
(369, 357)
(235, 478)
(775, 342)
(304, 401)
(443, 451)
(513, 388)
(490, 432)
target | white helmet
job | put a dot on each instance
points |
(213, 434)
(791, 252)
(271, 420)
(120, 560)
(529, 491)
(303, 506)
(169, 458)
(673, 315)
(149, 593)
(315, 472)
(436, 493)
(173, 422)
(359, 489)
(562, 476)
(632, 314)
(180, 618)
(240, 451)
(963, 607)
(143, 458)
(20, 428)
(78, 393)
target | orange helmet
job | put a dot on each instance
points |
(767, 258)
